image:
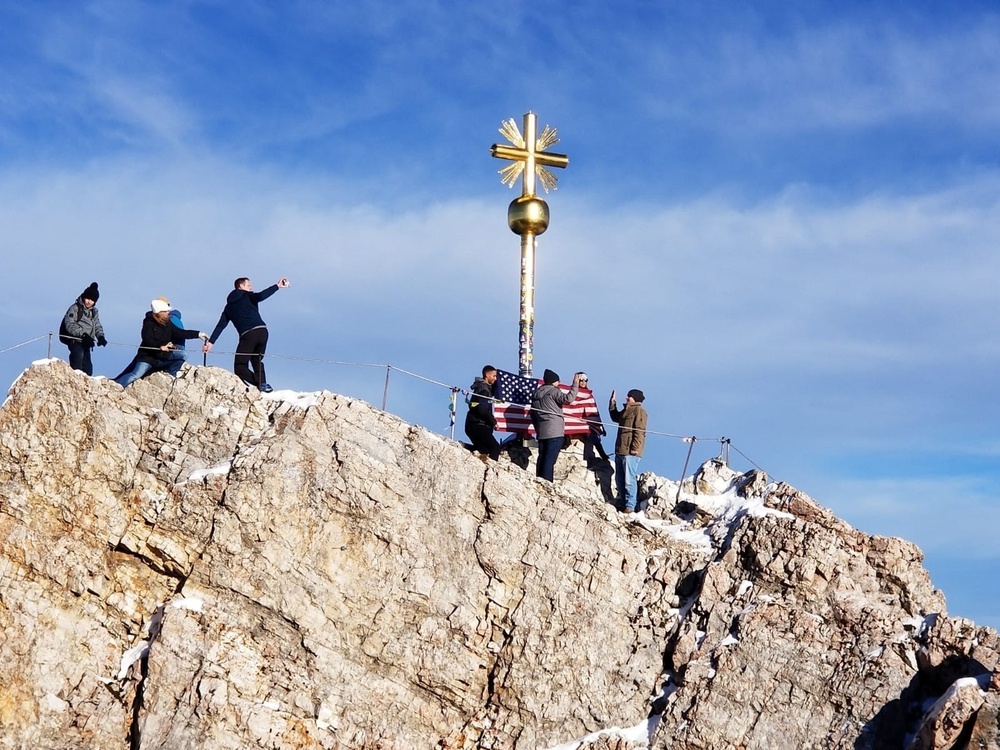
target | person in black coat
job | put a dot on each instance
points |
(480, 422)
(157, 345)
(592, 440)
(241, 310)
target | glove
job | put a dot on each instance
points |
(87, 341)
(101, 341)
(203, 336)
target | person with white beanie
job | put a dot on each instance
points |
(156, 346)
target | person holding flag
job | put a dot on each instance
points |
(595, 428)
(480, 422)
(550, 424)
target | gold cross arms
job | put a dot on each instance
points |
(528, 154)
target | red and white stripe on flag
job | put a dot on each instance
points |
(517, 417)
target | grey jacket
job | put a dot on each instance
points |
(81, 321)
(546, 410)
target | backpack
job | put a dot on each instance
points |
(64, 336)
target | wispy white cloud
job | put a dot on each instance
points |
(810, 276)
(842, 73)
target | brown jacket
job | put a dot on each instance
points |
(631, 428)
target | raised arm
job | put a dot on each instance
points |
(263, 295)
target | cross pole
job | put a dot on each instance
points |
(528, 216)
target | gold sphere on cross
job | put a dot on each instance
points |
(528, 214)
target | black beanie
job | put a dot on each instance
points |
(91, 292)
(637, 395)
(550, 377)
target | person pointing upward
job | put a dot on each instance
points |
(241, 310)
(629, 446)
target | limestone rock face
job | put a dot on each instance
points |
(186, 564)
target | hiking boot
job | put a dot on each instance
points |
(265, 388)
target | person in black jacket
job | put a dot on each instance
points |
(592, 440)
(157, 345)
(480, 422)
(241, 311)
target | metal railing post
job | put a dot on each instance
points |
(691, 440)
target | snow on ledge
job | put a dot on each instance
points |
(295, 398)
(131, 656)
(190, 603)
(980, 683)
(637, 735)
(220, 470)
(727, 509)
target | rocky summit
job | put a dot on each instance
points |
(186, 564)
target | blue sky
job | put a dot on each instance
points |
(779, 222)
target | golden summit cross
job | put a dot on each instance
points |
(528, 155)
(528, 216)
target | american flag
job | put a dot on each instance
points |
(513, 413)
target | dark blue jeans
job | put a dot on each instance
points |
(548, 452)
(141, 369)
(79, 357)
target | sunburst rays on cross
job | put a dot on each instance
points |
(548, 137)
